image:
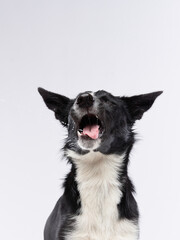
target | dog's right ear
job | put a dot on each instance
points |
(139, 104)
(57, 103)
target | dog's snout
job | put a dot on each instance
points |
(85, 100)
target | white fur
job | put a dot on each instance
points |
(100, 192)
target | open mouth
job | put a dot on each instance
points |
(90, 127)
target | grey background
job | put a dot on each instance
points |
(125, 47)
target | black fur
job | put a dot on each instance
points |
(117, 115)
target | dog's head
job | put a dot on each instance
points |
(98, 121)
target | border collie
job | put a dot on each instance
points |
(98, 201)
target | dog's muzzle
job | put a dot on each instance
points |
(90, 126)
(85, 100)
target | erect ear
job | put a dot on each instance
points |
(139, 104)
(57, 103)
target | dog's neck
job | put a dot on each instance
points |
(98, 176)
(99, 186)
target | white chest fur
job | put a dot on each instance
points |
(100, 192)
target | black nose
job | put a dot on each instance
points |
(85, 100)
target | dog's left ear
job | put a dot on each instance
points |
(139, 104)
(57, 103)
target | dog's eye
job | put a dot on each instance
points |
(104, 99)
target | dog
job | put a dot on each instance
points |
(98, 201)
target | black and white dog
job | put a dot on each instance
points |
(98, 201)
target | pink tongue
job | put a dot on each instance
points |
(92, 131)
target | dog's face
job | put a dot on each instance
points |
(98, 121)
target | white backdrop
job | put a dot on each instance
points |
(125, 47)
